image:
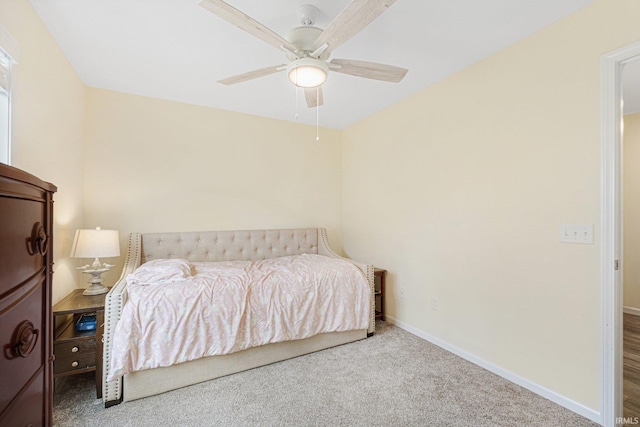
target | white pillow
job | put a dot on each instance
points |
(160, 271)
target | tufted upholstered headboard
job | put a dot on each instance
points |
(211, 246)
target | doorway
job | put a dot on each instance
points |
(630, 230)
(611, 239)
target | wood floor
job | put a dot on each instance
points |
(631, 390)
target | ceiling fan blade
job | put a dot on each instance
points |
(351, 21)
(245, 22)
(314, 96)
(252, 75)
(369, 70)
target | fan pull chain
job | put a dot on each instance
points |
(297, 106)
(317, 114)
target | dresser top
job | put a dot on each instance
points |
(20, 175)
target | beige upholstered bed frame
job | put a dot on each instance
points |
(216, 246)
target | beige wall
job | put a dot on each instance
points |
(631, 211)
(48, 132)
(157, 165)
(464, 186)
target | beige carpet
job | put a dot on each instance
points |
(391, 379)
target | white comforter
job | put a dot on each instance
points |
(178, 312)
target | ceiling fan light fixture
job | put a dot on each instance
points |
(307, 72)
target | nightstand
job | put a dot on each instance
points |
(379, 277)
(76, 351)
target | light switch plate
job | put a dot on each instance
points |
(576, 233)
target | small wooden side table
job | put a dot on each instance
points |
(76, 351)
(381, 274)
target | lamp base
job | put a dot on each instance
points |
(95, 282)
(95, 289)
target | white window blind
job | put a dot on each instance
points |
(4, 73)
(5, 107)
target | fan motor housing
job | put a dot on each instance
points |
(304, 38)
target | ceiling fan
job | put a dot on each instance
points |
(308, 48)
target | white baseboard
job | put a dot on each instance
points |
(631, 310)
(510, 376)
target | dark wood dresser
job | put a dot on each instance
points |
(26, 334)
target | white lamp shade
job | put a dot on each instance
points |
(95, 244)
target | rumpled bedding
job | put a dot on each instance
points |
(178, 311)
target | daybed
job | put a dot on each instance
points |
(216, 246)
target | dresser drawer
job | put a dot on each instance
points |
(77, 362)
(21, 320)
(29, 409)
(19, 260)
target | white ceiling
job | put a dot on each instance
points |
(176, 50)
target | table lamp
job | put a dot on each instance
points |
(95, 244)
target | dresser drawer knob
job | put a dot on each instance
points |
(74, 350)
(24, 339)
(74, 364)
(39, 240)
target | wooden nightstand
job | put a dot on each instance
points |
(79, 351)
(381, 274)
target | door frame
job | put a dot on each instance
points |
(612, 65)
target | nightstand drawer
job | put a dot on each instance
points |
(76, 363)
(74, 348)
